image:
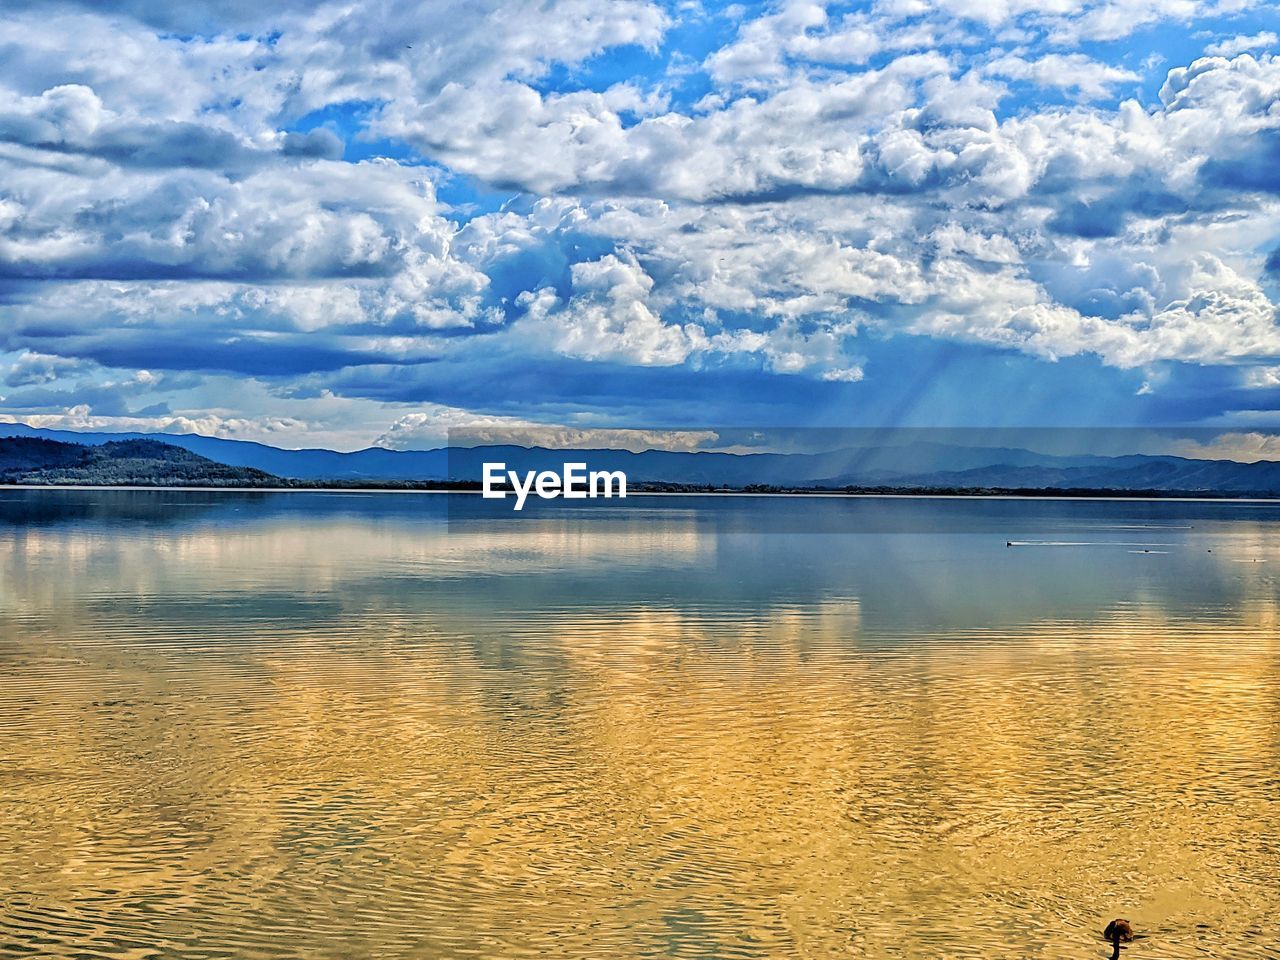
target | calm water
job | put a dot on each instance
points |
(343, 726)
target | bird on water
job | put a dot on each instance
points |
(1118, 931)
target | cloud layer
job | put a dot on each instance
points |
(331, 221)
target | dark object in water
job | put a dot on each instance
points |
(1118, 931)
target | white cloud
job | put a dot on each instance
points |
(38, 368)
(1242, 447)
(1087, 78)
(1242, 44)
(1261, 377)
(82, 418)
(1222, 317)
(844, 375)
(438, 426)
(608, 317)
(1114, 19)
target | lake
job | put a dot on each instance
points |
(338, 725)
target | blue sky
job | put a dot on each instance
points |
(371, 222)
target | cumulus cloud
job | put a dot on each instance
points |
(1086, 78)
(844, 375)
(72, 119)
(1262, 377)
(39, 368)
(1243, 447)
(1242, 44)
(608, 317)
(440, 426)
(202, 190)
(82, 418)
(324, 220)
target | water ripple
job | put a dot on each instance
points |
(308, 736)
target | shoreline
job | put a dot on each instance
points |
(798, 494)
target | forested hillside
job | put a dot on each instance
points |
(122, 462)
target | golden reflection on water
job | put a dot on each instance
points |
(341, 768)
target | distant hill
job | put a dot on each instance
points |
(914, 464)
(119, 462)
(374, 463)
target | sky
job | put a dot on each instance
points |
(370, 222)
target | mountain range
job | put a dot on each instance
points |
(917, 464)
